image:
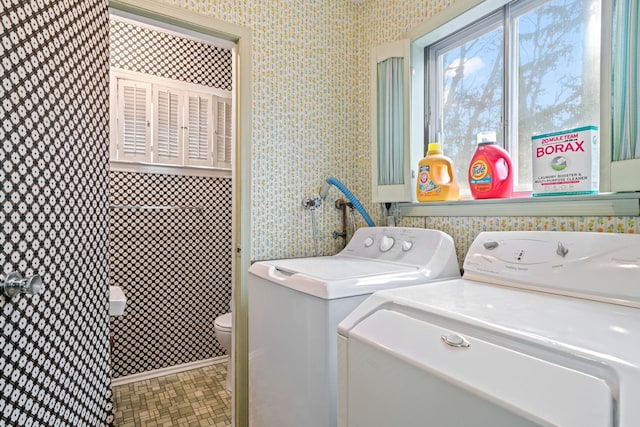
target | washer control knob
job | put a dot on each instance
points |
(368, 242)
(386, 243)
(407, 245)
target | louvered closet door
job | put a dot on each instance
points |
(134, 136)
(199, 132)
(223, 135)
(168, 126)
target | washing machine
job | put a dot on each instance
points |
(543, 329)
(295, 306)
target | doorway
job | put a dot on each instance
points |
(170, 181)
(241, 219)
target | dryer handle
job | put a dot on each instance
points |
(455, 340)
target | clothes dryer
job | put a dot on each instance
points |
(543, 329)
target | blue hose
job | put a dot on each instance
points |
(356, 204)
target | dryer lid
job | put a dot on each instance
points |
(593, 329)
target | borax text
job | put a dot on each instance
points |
(568, 147)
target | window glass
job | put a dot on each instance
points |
(557, 53)
(531, 67)
(469, 92)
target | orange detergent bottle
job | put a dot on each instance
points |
(436, 179)
(490, 171)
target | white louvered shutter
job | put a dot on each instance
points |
(223, 132)
(168, 126)
(134, 136)
(198, 135)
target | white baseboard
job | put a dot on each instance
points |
(167, 371)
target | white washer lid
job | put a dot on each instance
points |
(224, 321)
(338, 277)
(337, 267)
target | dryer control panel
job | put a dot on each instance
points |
(600, 266)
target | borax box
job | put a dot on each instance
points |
(566, 162)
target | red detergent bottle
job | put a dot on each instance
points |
(490, 170)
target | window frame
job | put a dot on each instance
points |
(452, 19)
(471, 31)
(182, 164)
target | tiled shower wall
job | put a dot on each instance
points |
(173, 264)
(54, 108)
(170, 250)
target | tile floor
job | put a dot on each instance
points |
(191, 398)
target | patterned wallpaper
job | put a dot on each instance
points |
(54, 346)
(174, 266)
(311, 114)
(145, 50)
(310, 91)
(310, 108)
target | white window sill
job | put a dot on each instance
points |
(604, 204)
(140, 167)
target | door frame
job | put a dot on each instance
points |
(241, 182)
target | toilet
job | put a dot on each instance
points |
(222, 328)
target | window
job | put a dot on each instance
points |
(615, 99)
(168, 123)
(529, 67)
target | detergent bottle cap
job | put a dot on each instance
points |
(434, 148)
(486, 137)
